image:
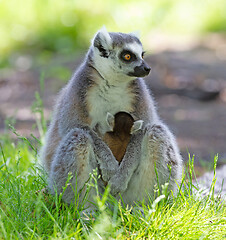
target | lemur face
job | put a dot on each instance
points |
(119, 56)
(131, 60)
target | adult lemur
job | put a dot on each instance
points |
(109, 81)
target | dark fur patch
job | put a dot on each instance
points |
(171, 155)
(103, 52)
(97, 43)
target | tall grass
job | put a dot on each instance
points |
(28, 213)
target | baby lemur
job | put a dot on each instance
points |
(109, 80)
(121, 127)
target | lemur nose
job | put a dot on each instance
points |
(147, 69)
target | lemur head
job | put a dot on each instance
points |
(118, 56)
(123, 122)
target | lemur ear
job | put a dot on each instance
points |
(136, 34)
(110, 121)
(137, 126)
(102, 41)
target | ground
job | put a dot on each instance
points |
(188, 85)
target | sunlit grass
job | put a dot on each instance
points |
(27, 213)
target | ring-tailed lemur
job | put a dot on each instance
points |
(121, 128)
(109, 80)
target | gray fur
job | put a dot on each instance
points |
(119, 39)
(74, 139)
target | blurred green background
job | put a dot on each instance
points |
(67, 25)
(44, 40)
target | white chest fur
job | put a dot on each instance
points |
(103, 98)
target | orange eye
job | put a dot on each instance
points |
(127, 57)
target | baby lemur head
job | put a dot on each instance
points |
(118, 56)
(123, 123)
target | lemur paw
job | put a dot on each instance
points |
(108, 167)
(107, 173)
(116, 185)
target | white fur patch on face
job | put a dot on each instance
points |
(134, 48)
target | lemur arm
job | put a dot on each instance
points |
(105, 159)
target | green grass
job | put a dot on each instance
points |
(27, 213)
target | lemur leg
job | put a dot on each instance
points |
(76, 155)
(159, 153)
(164, 154)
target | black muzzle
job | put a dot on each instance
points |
(141, 71)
